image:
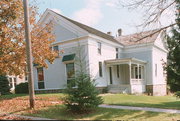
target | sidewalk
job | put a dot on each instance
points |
(141, 108)
(24, 117)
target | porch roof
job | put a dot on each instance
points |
(124, 61)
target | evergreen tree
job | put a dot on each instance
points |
(82, 95)
(173, 65)
(4, 85)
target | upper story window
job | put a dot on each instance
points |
(99, 48)
(56, 49)
(117, 50)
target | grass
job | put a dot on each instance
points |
(167, 102)
(59, 112)
(47, 110)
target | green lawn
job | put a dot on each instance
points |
(59, 112)
(168, 102)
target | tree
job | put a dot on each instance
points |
(173, 65)
(12, 40)
(82, 95)
(153, 11)
(4, 85)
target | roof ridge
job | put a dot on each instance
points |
(89, 29)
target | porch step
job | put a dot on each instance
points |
(119, 88)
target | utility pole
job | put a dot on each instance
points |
(29, 55)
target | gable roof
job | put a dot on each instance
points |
(89, 29)
(139, 38)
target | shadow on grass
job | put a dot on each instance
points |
(163, 105)
(11, 96)
(60, 112)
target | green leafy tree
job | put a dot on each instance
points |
(4, 85)
(173, 65)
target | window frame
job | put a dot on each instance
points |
(41, 83)
(117, 53)
(73, 75)
(56, 49)
(99, 48)
(118, 75)
(100, 69)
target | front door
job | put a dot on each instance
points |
(110, 75)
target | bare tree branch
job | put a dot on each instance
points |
(159, 30)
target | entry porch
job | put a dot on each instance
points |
(126, 75)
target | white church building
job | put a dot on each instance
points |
(122, 64)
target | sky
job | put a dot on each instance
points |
(104, 15)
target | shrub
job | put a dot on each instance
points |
(84, 97)
(177, 94)
(22, 88)
(4, 85)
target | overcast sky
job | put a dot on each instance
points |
(104, 15)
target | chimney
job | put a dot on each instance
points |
(119, 32)
(109, 33)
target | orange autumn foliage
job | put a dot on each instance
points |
(12, 38)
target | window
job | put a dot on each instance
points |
(140, 76)
(70, 72)
(136, 72)
(10, 82)
(56, 49)
(99, 48)
(118, 71)
(155, 69)
(40, 74)
(110, 75)
(15, 82)
(100, 69)
(26, 77)
(117, 53)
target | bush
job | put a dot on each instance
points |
(84, 97)
(177, 94)
(4, 85)
(22, 88)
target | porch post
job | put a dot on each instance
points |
(138, 71)
(130, 72)
(145, 75)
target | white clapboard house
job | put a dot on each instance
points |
(123, 64)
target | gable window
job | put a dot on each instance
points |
(56, 49)
(70, 71)
(118, 71)
(40, 74)
(99, 48)
(117, 53)
(100, 69)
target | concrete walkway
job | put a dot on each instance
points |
(141, 108)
